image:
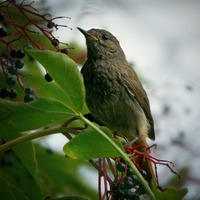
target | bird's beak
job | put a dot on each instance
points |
(86, 34)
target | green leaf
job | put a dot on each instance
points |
(8, 191)
(65, 73)
(65, 198)
(5, 190)
(19, 116)
(71, 198)
(18, 178)
(18, 193)
(62, 175)
(26, 153)
(91, 144)
(169, 193)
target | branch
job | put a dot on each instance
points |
(28, 137)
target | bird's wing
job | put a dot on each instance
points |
(136, 91)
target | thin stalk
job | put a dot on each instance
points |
(28, 137)
(123, 155)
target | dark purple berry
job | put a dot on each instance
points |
(121, 185)
(144, 173)
(48, 77)
(128, 184)
(13, 94)
(134, 179)
(4, 55)
(29, 46)
(28, 98)
(13, 53)
(3, 32)
(121, 167)
(11, 81)
(2, 16)
(5, 92)
(55, 42)
(119, 193)
(122, 160)
(127, 194)
(5, 23)
(7, 160)
(50, 24)
(64, 50)
(29, 90)
(19, 64)
(49, 151)
(127, 178)
(114, 187)
(47, 127)
(135, 197)
(141, 189)
(20, 53)
(12, 70)
(129, 172)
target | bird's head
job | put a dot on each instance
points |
(101, 43)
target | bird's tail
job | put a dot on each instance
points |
(142, 160)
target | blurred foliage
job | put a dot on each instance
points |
(58, 176)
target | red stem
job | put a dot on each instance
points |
(99, 179)
(105, 178)
(111, 167)
(100, 170)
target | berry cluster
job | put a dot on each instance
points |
(11, 71)
(20, 23)
(6, 159)
(127, 186)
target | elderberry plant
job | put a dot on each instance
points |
(21, 27)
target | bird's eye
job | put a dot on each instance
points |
(105, 37)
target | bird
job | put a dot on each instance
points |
(114, 94)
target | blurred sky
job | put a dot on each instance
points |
(162, 39)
